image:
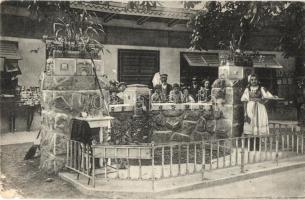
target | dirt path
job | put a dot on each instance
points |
(21, 178)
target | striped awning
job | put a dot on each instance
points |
(266, 61)
(9, 50)
(202, 59)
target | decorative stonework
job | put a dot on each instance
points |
(68, 88)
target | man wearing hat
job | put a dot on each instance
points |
(158, 96)
(175, 96)
(165, 87)
(194, 87)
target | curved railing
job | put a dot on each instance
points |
(152, 162)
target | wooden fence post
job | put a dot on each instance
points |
(242, 160)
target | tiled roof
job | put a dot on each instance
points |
(121, 8)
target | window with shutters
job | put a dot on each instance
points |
(138, 66)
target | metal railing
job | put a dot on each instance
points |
(159, 161)
(80, 159)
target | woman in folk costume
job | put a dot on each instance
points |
(256, 117)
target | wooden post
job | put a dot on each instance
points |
(179, 159)
(230, 152)
(242, 160)
(93, 167)
(105, 163)
(248, 149)
(297, 143)
(203, 160)
(195, 158)
(254, 147)
(211, 154)
(187, 158)
(277, 149)
(302, 143)
(128, 170)
(236, 151)
(292, 142)
(68, 158)
(217, 166)
(162, 161)
(153, 165)
(140, 164)
(171, 161)
(260, 148)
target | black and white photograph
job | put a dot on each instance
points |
(155, 99)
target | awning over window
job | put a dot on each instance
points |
(202, 59)
(266, 61)
(212, 60)
(9, 50)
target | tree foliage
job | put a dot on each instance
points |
(293, 30)
(230, 24)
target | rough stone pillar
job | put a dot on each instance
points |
(68, 88)
(234, 81)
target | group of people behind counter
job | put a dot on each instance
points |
(166, 93)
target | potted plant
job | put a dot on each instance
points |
(76, 35)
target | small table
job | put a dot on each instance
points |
(99, 122)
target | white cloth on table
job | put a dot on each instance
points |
(257, 113)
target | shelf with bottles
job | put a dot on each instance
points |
(30, 96)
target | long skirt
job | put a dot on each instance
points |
(258, 119)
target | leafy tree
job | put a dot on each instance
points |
(231, 23)
(293, 30)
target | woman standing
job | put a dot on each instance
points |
(256, 117)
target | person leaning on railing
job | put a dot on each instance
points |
(255, 114)
(204, 94)
(158, 96)
(175, 96)
(186, 97)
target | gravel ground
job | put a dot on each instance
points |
(20, 178)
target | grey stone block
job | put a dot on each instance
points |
(188, 126)
(48, 83)
(61, 122)
(180, 137)
(60, 144)
(62, 101)
(161, 136)
(46, 99)
(233, 95)
(84, 83)
(63, 82)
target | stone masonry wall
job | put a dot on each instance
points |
(64, 97)
(163, 126)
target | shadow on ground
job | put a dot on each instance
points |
(27, 180)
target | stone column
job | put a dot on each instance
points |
(68, 88)
(231, 108)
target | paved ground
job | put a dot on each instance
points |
(21, 178)
(24, 179)
(18, 137)
(288, 184)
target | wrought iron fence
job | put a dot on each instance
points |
(80, 159)
(159, 161)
